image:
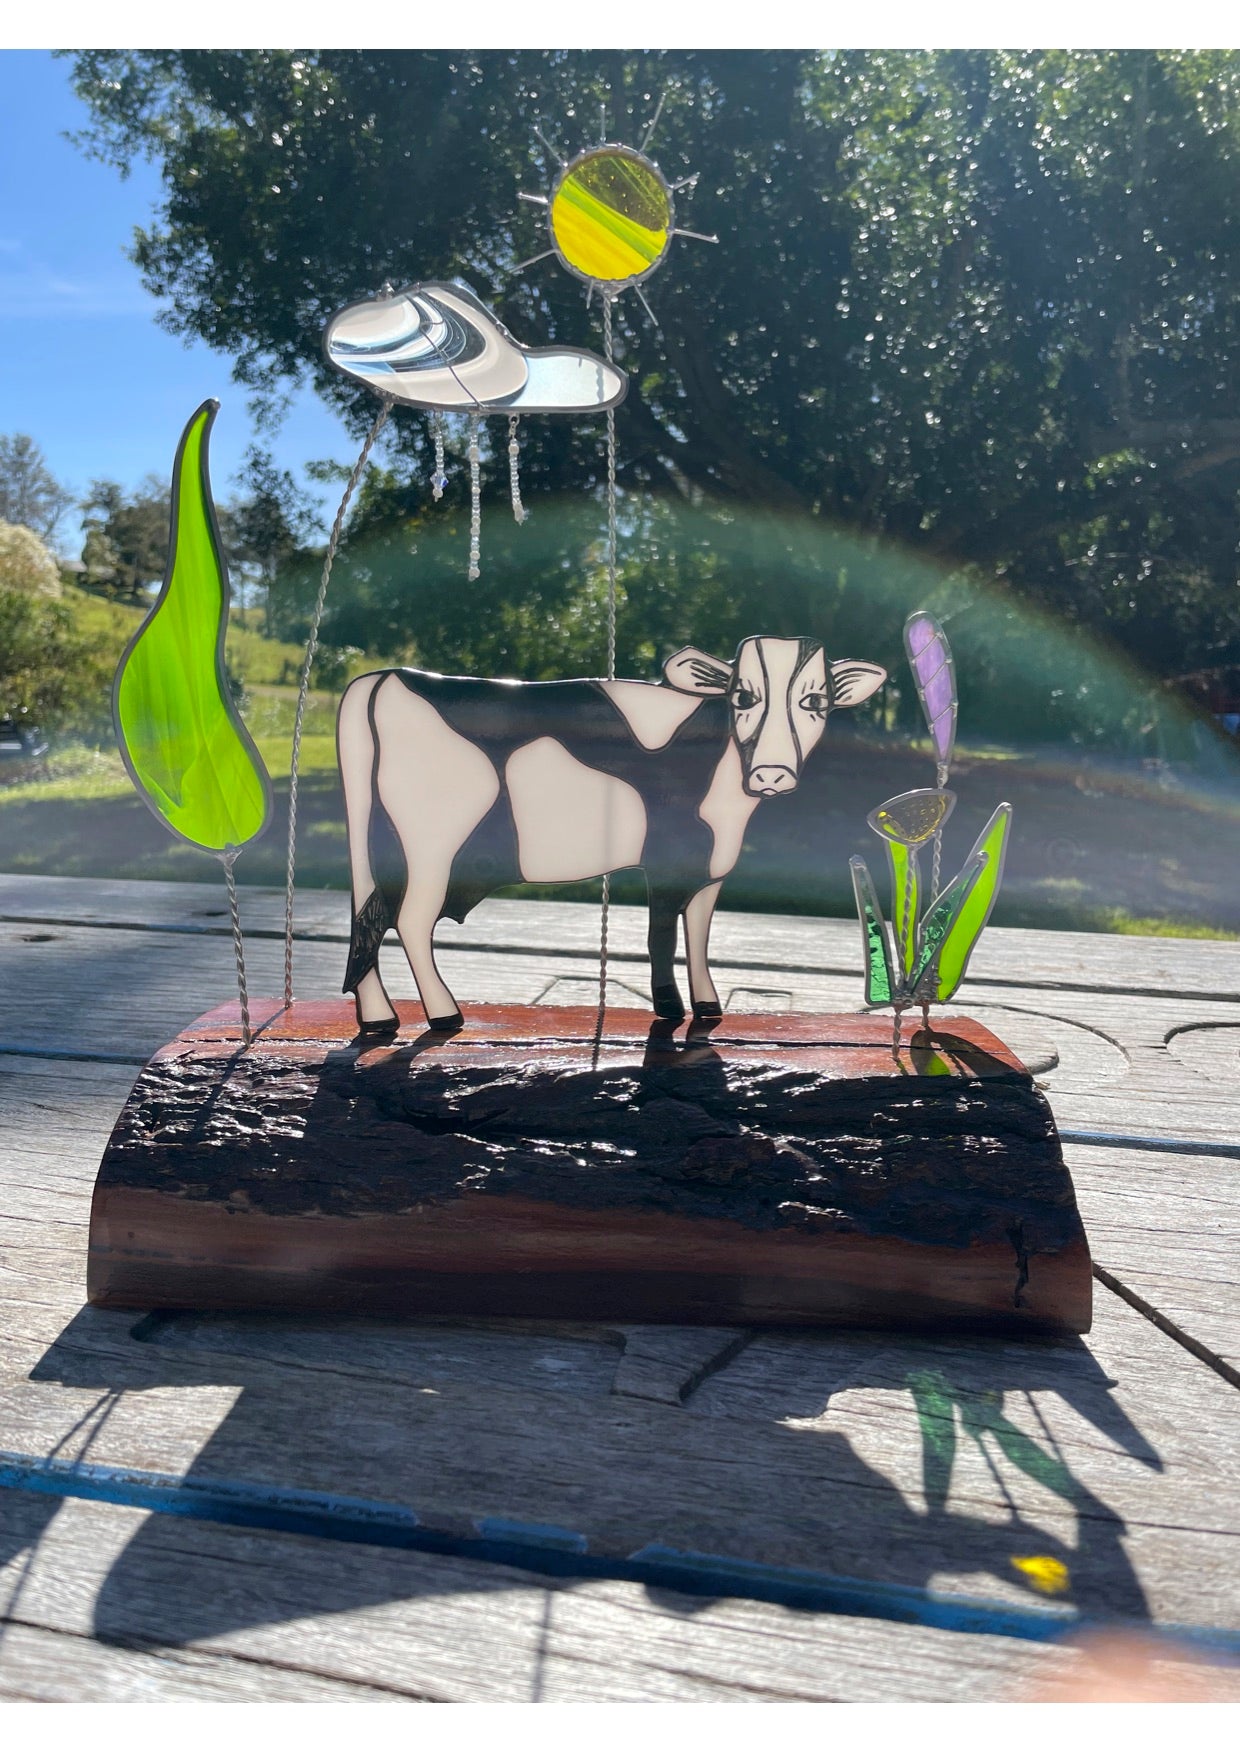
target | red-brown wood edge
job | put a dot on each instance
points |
(303, 1173)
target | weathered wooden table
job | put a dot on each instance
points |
(242, 1508)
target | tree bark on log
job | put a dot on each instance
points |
(771, 1169)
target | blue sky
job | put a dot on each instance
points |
(88, 373)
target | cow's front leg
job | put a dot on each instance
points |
(698, 915)
(415, 924)
(665, 905)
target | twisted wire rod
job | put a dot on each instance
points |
(312, 646)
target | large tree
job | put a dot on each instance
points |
(977, 306)
(126, 538)
(29, 492)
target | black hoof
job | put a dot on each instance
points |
(446, 1025)
(668, 1004)
(707, 1013)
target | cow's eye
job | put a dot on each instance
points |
(815, 703)
(743, 698)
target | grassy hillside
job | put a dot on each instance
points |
(266, 669)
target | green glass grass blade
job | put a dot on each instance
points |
(184, 743)
(905, 900)
(937, 926)
(967, 927)
(880, 988)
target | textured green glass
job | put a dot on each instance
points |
(937, 927)
(187, 750)
(879, 985)
(967, 927)
(905, 900)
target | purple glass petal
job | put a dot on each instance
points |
(942, 734)
(937, 694)
(918, 634)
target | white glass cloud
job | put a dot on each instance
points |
(436, 345)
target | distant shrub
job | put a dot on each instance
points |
(26, 564)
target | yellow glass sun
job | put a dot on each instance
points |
(611, 217)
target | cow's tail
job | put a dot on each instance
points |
(381, 909)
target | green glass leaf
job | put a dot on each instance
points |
(905, 900)
(969, 923)
(880, 987)
(184, 743)
(938, 924)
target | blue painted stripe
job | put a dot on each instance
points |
(552, 1551)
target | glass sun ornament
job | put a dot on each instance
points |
(611, 216)
(182, 739)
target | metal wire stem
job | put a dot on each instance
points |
(228, 858)
(608, 299)
(940, 780)
(312, 646)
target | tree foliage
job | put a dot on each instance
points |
(970, 310)
(26, 566)
(270, 526)
(50, 674)
(29, 492)
(126, 538)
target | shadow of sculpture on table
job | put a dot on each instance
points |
(480, 1430)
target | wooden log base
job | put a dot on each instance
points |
(761, 1169)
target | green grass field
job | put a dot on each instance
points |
(1093, 850)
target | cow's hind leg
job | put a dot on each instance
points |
(436, 786)
(419, 914)
(698, 915)
(372, 910)
(665, 905)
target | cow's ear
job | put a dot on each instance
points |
(853, 682)
(693, 672)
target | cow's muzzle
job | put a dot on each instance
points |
(771, 781)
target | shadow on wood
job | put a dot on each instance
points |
(780, 1169)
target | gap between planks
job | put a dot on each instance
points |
(1201, 1352)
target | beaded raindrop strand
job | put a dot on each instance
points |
(514, 469)
(475, 500)
(439, 479)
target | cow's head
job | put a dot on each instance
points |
(780, 691)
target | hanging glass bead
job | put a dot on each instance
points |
(514, 469)
(439, 479)
(475, 500)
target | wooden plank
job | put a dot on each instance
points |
(49, 1667)
(1111, 1468)
(214, 1612)
(1168, 1228)
(1085, 961)
(107, 992)
(170, 1375)
(1151, 1548)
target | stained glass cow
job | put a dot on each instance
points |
(455, 787)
